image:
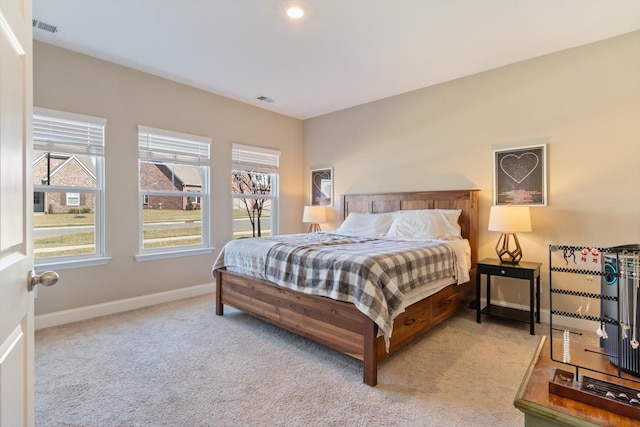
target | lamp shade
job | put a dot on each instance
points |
(510, 219)
(314, 214)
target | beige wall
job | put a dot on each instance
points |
(68, 81)
(583, 102)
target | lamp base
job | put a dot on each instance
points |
(313, 228)
(512, 256)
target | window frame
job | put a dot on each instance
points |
(171, 156)
(250, 158)
(91, 148)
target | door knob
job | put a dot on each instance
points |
(48, 278)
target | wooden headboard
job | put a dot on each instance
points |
(466, 200)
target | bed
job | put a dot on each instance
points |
(341, 325)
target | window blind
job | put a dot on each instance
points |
(259, 159)
(61, 132)
(159, 145)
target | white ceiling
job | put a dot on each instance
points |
(342, 53)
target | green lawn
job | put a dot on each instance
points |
(191, 232)
(150, 215)
(61, 220)
(69, 239)
(75, 251)
(159, 233)
(164, 215)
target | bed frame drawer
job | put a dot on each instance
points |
(420, 317)
(444, 304)
(412, 321)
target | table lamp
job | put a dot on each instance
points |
(314, 215)
(509, 220)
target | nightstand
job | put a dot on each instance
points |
(523, 270)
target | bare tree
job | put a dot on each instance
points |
(253, 183)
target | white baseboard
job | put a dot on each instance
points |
(560, 322)
(83, 313)
(89, 312)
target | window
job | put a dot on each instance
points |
(68, 199)
(73, 199)
(254, 188)
(174, 192)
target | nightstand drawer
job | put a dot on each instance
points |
(500, 270)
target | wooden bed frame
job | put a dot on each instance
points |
(341, 325)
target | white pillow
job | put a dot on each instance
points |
(451, 215)
(366, 224)
(441, 224)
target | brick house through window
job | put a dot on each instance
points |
(160, 176)
(63, 170)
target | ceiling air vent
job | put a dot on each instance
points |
(265, 99)
(44, 26)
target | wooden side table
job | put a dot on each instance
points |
(523, 270)
(544, 409)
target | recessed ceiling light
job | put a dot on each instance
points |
(295, 11)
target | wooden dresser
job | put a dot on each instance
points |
(542, 409)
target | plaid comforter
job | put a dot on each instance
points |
(371, 273)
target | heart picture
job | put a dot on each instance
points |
(321, 187)
(520, 176)
(518, 168)
(318, 180)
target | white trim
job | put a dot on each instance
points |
(164, 253)
(65, 188)
(254, 148)
(164, 146)
(11, 36)
(13, 258)
(257, 159)
(173, 134)
(98, 310)
(558, 321)
(58, 114)
(172, 148)
(12, 340)
(64, 133)
(63, 263)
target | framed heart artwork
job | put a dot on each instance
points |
(520, 176)
(322, 187)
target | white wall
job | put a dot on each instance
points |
(68, 81)
(585, 102)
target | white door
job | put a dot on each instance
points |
(16, 199)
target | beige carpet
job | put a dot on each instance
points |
(178, 364)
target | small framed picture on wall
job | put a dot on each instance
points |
(520, 176)
(322, 187)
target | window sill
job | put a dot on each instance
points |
(40, 267)
(152, 256)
